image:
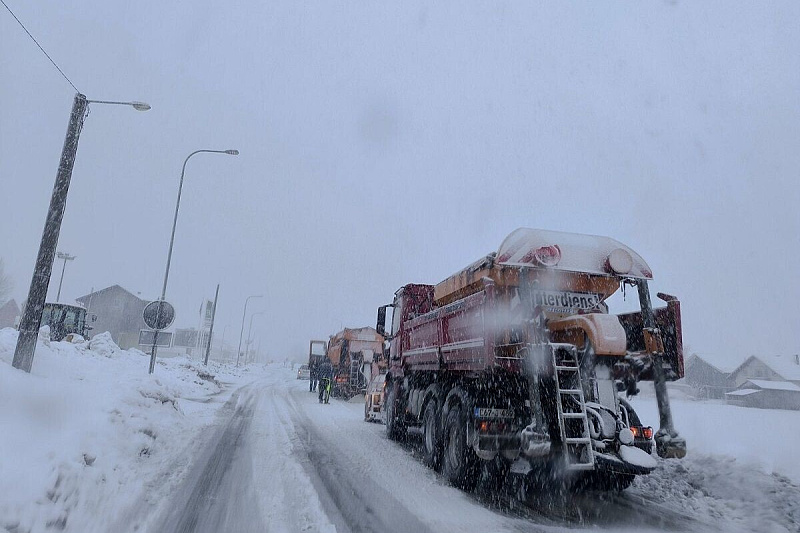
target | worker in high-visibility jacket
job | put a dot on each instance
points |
(325, 374)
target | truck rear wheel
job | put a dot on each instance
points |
(460, 463)
(395, 429)
(431, 443)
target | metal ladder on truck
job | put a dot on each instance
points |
(573, 423)
(355, 375)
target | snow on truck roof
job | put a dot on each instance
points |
(572, 252)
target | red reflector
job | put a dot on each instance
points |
(547, 256)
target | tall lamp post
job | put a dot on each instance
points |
(250, 333)
(241, 333)
(32, 317)
(222, 342)
(66, 257)
(171, 244)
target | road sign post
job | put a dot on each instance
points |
(211, 327)
(157, 315)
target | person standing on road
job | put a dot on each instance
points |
(325, 374)
(313, 376)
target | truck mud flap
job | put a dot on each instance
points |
(612, 463)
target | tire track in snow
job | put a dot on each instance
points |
(203, 507)
(363, 504)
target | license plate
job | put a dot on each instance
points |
(491, 412)
(564, 301)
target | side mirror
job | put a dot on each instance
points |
(380, 327)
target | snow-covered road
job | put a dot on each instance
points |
(280, 461)
(91, 443)
(277, 460)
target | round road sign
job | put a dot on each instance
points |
(156, 320)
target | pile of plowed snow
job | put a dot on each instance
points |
(81, 432)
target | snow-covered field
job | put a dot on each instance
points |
(90, 442)
(742, 468)
(83, 434)
(763, 438)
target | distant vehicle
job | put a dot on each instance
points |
(304, 372)
(374, 398)
(65, 319)
(352, 352)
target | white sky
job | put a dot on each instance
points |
(384, 143)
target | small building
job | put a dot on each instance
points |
(766, 394)
(8, 314)
(706, 380)
(118, 311)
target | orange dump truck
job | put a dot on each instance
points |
(352, 352)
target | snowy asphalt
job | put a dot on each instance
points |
(279, 461)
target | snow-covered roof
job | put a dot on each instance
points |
(724, 368)
(742, 392)
(785, 365)
(773, 385)
(84, 299)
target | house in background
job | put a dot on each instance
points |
(8, 314)
(118, 311)
(706, 380)
(766, 394)
(767, 382)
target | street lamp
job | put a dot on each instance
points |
(241, 333)
(66, 257)
(32, 316)
(138, 106)
(172, 242)
(250, 332)
(222, 342)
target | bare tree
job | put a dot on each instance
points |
(5, 284)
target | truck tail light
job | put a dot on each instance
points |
(640, 432)
(489, 426)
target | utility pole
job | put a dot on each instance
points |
(66, 257)
(211, 328)
(32, 317)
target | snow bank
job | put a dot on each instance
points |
(764, 438)
(81, 432)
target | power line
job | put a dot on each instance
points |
(39, 45)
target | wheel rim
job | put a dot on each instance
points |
(454, 447)
(429, 435)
